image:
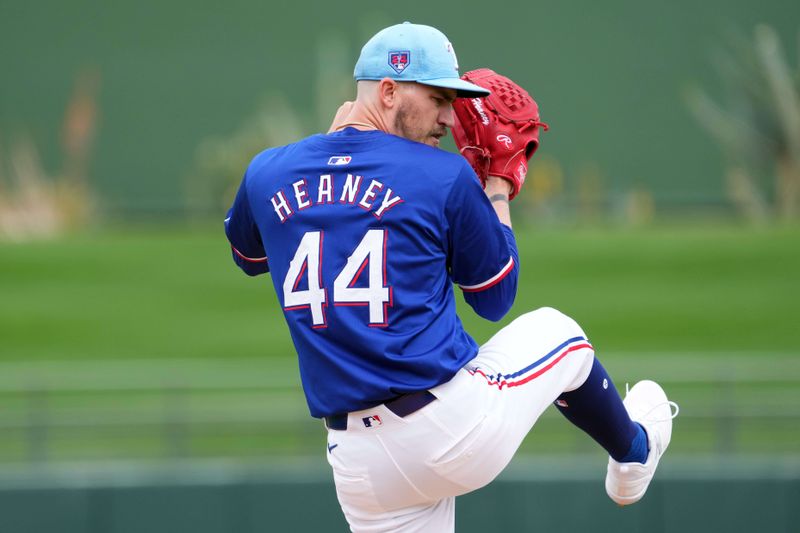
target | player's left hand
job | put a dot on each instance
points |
(499, 133)
(341, 116)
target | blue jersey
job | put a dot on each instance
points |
(364, 234)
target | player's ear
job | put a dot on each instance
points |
(388, 90)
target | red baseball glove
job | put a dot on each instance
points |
(499, 133)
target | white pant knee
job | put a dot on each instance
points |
(554, 320)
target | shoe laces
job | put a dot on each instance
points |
(670, 403)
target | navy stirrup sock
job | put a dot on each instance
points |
(596, 408)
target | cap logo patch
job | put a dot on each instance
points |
(399, 60)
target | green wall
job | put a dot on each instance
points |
(731, 497)
(609, 77)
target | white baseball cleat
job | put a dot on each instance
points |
(648, 405)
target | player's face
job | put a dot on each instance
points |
(424, 113)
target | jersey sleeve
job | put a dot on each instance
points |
(483, 257)
(247, 248)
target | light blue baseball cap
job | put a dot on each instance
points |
(414, 52)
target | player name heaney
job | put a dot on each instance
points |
(374, 199)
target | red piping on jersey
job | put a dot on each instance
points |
(252, 260)
(491, 282)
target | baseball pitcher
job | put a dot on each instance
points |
(366, 232)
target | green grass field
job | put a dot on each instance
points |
(175, 293)
(149, 341)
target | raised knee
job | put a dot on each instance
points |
(547, 313)
(554, 319)
(551, 311)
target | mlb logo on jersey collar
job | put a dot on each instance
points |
(340, 160)
(399, 60)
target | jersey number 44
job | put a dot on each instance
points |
(370, 254)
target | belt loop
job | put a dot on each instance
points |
(336, 422)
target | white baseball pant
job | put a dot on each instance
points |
(403, 474)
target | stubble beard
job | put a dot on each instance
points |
(405, 127)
